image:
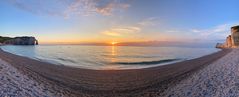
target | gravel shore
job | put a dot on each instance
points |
(211, 75)
(219, 79)
(15, 84)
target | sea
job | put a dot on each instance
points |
(108, 57)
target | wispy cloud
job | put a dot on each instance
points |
(121, 31)
(68, 8)
(195, 30)
(215, 33)
(137, 27)
(89, 7)
(149, 21)
(219, 30)
(109, 8)
(173, 31)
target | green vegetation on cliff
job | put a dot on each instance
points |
(3, 39)
(24, 40)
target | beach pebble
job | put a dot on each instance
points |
(15, 84)
(219, 79)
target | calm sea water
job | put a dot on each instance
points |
(108, 57)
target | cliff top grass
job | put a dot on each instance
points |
(3, 39)
(235, 27)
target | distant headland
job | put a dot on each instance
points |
(25, 40)
(232, 41)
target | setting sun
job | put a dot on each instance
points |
(114, 43)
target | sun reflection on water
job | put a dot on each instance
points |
(113, 51)
(113, 59)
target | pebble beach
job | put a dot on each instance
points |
(215, 75)
(219, 79)
(15, 84)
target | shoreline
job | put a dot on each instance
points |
(110, 62)
(82, 82)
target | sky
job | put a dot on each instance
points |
(106, 21)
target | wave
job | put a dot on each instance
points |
(147, 62)
(127, 56)
(67, 60)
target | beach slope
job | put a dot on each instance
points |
(219, 79)
(67, 81)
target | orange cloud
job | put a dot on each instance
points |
(111, 33)
(121, 31)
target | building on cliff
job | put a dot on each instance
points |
(22, 41)
(232, 41)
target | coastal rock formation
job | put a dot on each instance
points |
(232, 41)
(235, 36)
(21, 41)
(3, 39)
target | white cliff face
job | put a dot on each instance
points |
(235, 36)
(229, 41)
(232, 41)
(22, 41)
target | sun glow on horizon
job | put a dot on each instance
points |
(114, 43)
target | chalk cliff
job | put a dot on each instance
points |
(232, 41)
(21, 41)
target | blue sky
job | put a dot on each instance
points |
(58, 21)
